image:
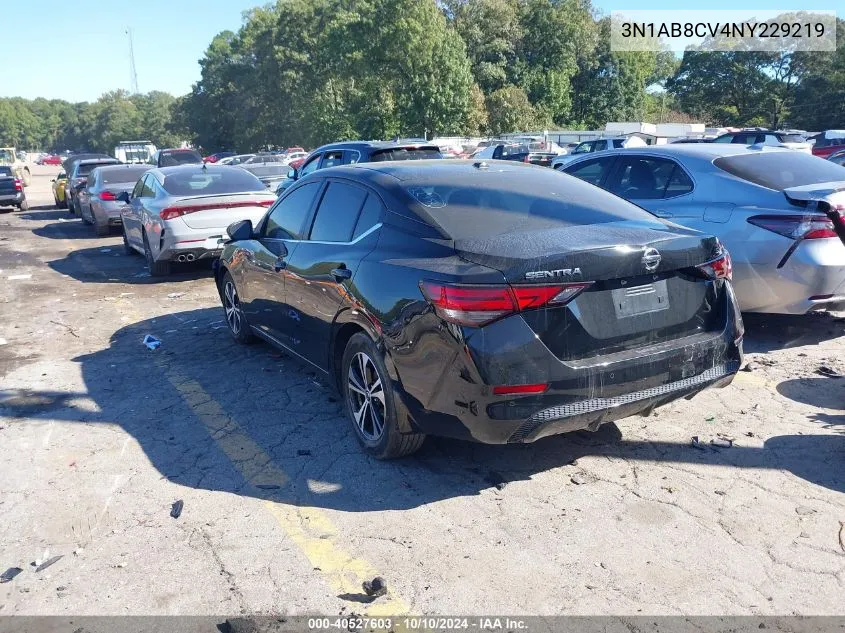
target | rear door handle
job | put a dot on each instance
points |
(341, 274)
(280, 265)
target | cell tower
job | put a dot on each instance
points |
(133, 76)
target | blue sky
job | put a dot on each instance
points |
(79, 50)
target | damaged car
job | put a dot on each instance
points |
(500, 302)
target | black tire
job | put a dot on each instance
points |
(85, 219)
(72, 206)
(101, 229)
(157, 269)
(369, 372)
(234, 315)
(126, 248)
(24, 205)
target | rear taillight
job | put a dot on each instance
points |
(18, 184)
(478, 305)
(719, 268)
(174, 212)
(107, 196)
(796, 227)
(520, 390)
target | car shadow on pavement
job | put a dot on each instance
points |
(73, 229)
(249, 420)
(110, 264)
(45, 212)
(817, 391)
(767, 332)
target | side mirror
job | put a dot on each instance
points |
(240, 230)
(123, 196)
(292, 174)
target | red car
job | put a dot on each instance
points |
(294, 164)
(828, 142)
(293, 149)
(213, 158)
(52, 159)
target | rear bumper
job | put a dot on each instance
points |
(107, 213)
(811, 278)
(446, 379)
(9, 200)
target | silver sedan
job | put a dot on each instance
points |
(768, 206)
(98, 203)
(180, 214)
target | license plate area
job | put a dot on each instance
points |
(637, 300)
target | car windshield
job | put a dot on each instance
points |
(405, 153)
(780, 170)
(169, 159)
(205, 183)
(792, 138)
(515, 150)
(124, 174)
(490, 204)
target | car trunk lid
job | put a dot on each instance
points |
(827, 198)
(219, 211)
(644, 283)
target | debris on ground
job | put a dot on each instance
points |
(65, 325)
(824, 370)
(47, 563)
(375, 587)
(710, 418)
(721, 493)
(842, 535)
(695, 443)
(176, 508)
(268, 486)
(579, 479)
(105, 250)
(78, 551)
(804, 511)
(749, 367)
(496, 479)
(175, 295)
(9, 574)
(121, 564)
(151, 342)
(722, 442)
(303, 452)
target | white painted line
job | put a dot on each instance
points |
(16, 277)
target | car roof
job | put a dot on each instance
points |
(193, 167)
(178, 149)
(118, 167)
(706, 151)
(377, 145)
(98, 161)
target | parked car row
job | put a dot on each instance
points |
(494, 300)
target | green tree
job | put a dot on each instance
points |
(510, 110)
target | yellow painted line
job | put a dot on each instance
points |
(308, 527)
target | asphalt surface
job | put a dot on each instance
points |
(282, 514)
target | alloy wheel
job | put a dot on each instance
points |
(232, 305)
(366, 396)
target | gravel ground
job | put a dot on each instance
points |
(282, 514)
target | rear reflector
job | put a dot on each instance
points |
(107, 196)
(509, 390)
(174, 212)
(18, 185)
(477, 305)
(796, 227)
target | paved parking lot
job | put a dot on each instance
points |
(283, 514)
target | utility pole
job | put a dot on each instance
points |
(133, 76)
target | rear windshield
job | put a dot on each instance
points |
(84, 170)
(781, 170)
(169, 159)
(405, 153)
(515, 150)
(128, 174)
(488, 204)
(5, 171)
(821, 141)
(792, 138)
(208, 183)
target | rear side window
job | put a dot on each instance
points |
(338, 213)
(330, 159)
(287, 217)
(405, 153)
(7, 171)
(781, 170)
(84, 170)
(211, 183)
(591, 171)
(618, 143)
(583, 148)
(645, 178)
(147, 190)
(370, 216)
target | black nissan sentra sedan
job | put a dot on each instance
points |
(494, 302)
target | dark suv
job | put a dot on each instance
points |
(175, 157)
(759, 136)
(351, 152)
(78, 178)
(497, 302)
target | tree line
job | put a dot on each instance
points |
(306, 72)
